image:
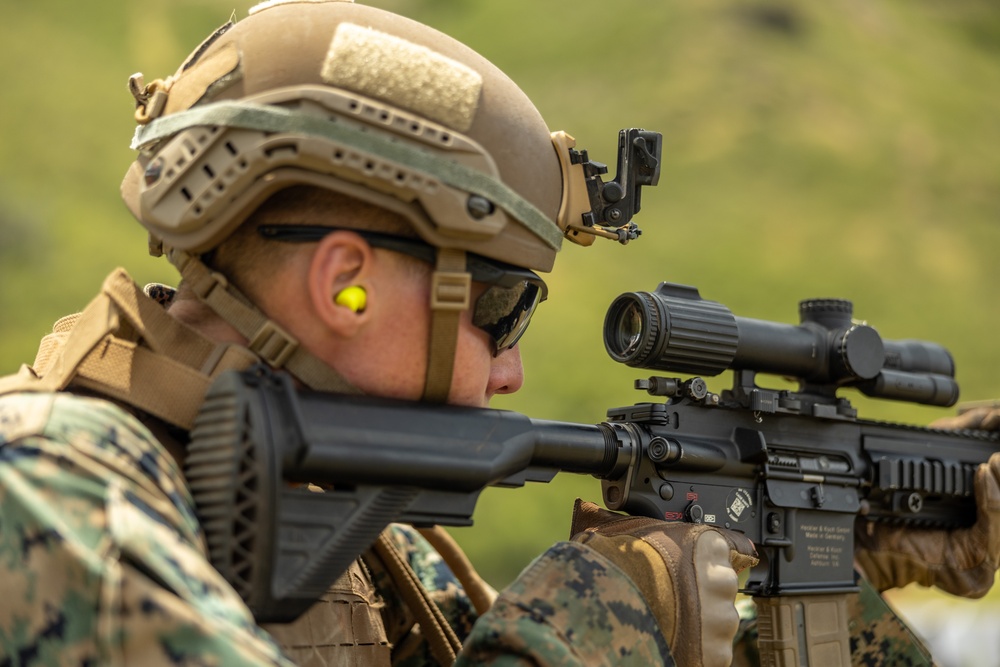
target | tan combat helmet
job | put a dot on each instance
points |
(365, 103)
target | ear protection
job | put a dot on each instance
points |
(353, 297)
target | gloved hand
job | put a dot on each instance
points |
(687, 573)
(962, 561)
(983, 418)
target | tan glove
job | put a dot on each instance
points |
(686, 572)
(984, 418)
(962, 561)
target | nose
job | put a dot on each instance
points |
(506, 373)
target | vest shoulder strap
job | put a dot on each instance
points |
(127, 347)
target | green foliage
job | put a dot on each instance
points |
(840, 149)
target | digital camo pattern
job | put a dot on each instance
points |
(570, 607)
(100, 557)
(879, 637)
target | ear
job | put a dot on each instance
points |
(342, 259)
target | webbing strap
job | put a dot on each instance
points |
(125, 346)
(269, 118)
(160, 332)
(451, 288)
(480, 593)
(441, 638)
(151, 382)
(64, 354)
(266, 338)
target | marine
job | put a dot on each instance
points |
(361, 202)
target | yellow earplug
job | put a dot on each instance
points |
(353, 297)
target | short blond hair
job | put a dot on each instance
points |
(248, 260)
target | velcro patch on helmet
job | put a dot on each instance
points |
(402, 73)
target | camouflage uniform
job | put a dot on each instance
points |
(569, 607)
(101, 560)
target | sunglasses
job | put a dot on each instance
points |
(503, 311)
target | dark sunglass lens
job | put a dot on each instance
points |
(504, 312)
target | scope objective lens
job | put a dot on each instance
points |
(626, 329)
(630, 329)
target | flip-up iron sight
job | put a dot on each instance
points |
(615, 203)
(674, 329)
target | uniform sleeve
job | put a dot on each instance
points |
(100, 556)
(569, 607)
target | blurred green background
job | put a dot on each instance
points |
(841, 149)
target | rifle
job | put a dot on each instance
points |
(790, 469)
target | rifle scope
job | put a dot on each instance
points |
(674, 329)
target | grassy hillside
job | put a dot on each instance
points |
(844, 149)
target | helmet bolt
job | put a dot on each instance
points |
(614, 215)
(479, 207)
(153, 171)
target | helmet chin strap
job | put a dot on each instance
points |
(267, 339)
(451, 289)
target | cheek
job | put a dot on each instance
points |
(393, 359)
(473, 358)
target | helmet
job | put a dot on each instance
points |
(354, 99)
(365, 103)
